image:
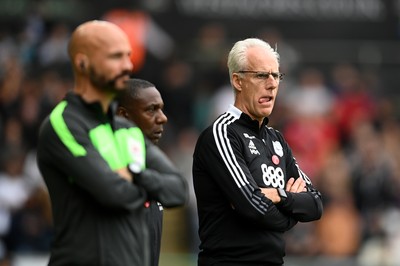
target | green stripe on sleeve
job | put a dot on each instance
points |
(102, 138)
(61, 129)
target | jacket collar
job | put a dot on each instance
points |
(246, 119)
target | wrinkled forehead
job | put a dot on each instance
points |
(260, 58)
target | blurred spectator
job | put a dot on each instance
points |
(219, 102)
(354, 100)
(311, 97)
(12, 134)
(310, 130)
(8, 52)
(210, 46)
(31, 36)
(13, 193)
(181, 155)
(53, 50)
(32, 109)
(145, 36)
(31, 230)
(177, 92)
(54, 85)
(373, 183)
(209, 63)
(10, 86)
(338, 232)
(390, 131)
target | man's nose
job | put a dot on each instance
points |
(128, 65)
(162, 118)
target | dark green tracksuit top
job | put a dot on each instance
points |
(99, 217)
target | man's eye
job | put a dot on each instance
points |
(262, 75)
(275, 75)
(151, 109)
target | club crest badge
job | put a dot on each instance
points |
(278, 148)
(135, 150)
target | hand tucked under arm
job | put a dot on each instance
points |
(125, 174)
(272, 194)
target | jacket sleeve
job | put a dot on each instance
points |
(304, 206)
(220, 155)
(161, 179)
(76, 162)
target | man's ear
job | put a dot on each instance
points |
(236, 82)
(81, 62)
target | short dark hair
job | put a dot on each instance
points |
(133, 85)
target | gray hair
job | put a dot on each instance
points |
(237, 59)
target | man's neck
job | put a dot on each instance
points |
(91, 95)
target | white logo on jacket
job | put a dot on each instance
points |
(248, 136)
(278, 148)
(135, 150)
(253, 148)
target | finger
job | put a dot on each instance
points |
(289, 184)
(302, 186)
(298, 185)
(294, 186)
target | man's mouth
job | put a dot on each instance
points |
(124, 75)
(157, 134)
(265, 99)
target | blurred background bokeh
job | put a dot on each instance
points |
(338, 107)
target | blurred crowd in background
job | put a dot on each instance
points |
(343, 128)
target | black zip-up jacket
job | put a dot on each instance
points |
(169, 184)
(99, 218)
(238, 225)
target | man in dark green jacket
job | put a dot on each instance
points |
(142, 104)
(94, 163)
